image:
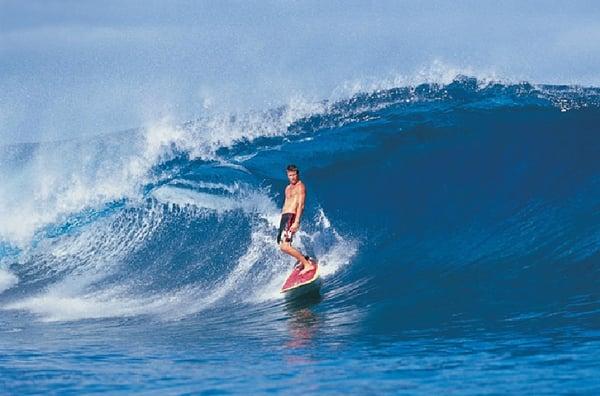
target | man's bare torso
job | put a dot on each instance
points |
(292, 197)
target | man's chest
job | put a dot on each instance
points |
(290, 193)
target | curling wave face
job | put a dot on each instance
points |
(426, 204)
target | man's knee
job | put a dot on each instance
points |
(284, 247)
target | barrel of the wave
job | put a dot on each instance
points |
(300, 284)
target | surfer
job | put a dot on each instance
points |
(295, 195)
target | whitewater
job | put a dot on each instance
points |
(457, 225)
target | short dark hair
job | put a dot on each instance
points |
(293, 168)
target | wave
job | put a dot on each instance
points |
(475, 195)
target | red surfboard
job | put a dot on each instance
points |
(296, 281)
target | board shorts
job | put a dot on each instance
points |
(285, 234)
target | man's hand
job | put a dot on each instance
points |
(294, 227)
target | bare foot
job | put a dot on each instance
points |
(307, 267)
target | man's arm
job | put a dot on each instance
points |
(300, 208)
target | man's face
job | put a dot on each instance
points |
(292, 177)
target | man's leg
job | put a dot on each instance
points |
(287, 248)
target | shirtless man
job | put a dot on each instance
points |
(295, 194)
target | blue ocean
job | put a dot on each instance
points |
(457, 227)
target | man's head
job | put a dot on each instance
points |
(293, 173)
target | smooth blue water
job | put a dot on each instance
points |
(458, 228)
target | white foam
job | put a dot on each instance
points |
(230, 188)
(7, 280)
(91, 256)
(322, 220)
(249, 201)
(66, 178)
(437, 72)
(57, 305)
(339, 255)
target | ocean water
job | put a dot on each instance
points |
(457, 226)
